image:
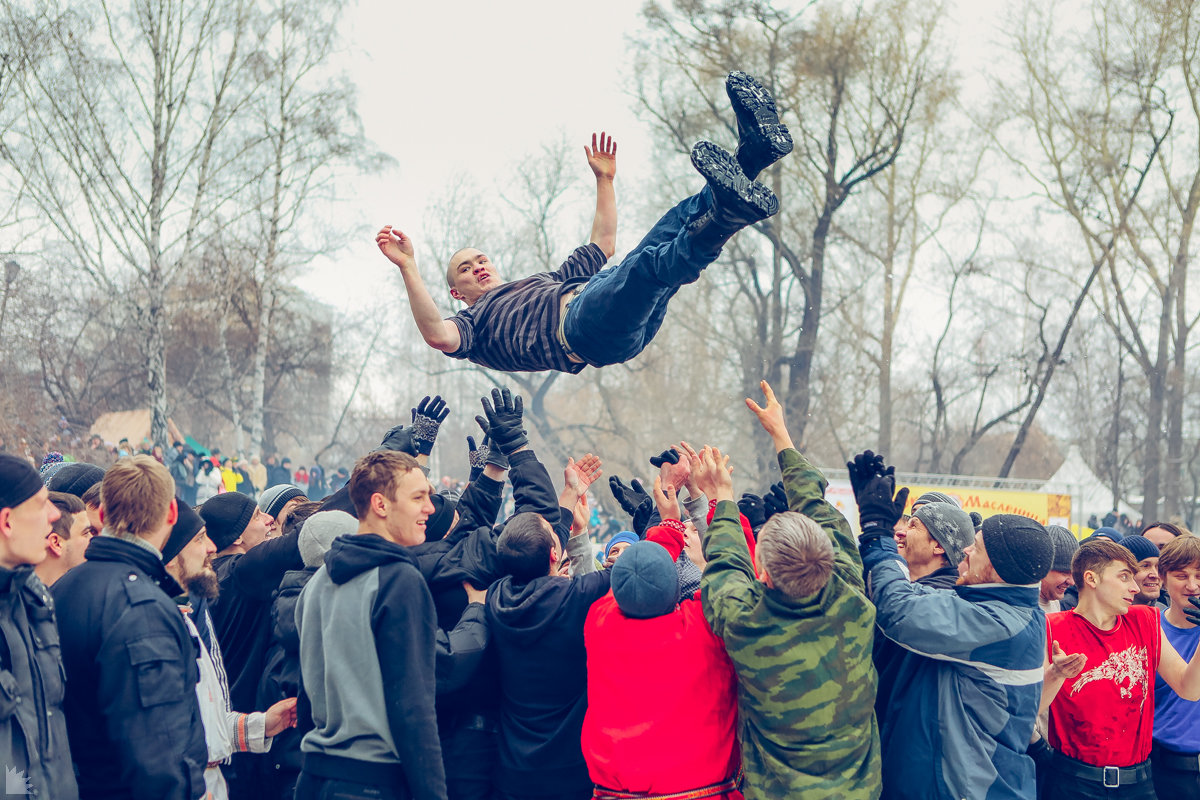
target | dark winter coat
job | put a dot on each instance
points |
(33, 729)
(131, 707)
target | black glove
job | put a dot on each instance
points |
(399, 439)
(880, 506)
(752, 508)
(865, 466)
(427, 417)
(775, 500)
(1192, 613)
(502, 421)
(630, 497)
(668, 456)
(476, 457)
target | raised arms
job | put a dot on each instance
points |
(603, 161)
(438, 333)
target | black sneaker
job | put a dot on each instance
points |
(738, 200)
(762, 138)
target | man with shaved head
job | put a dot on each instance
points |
(579, 315)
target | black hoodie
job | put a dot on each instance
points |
(376, 712)
(537, 630)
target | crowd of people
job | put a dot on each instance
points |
(397, 641)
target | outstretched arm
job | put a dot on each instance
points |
(603, 161)
(438, 333)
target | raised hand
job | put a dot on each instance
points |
(713, 474)
(880, 506)
(579, 475)
(862, 468)
(775, 500)
(753, 509)
(397, 247)
(427, 417)
(770, 417)
(399, 438)
(602, 159)
(1192, 610)
(502, 421)
(629, 496)
(665, 500)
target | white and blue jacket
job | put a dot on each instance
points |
(962, 719)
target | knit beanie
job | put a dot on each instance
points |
(1109, 533)
(226, 516)
(1020, 549)
(1065, 545)
(318, 533)
(644, 581)
(949, 525)
(1140, 546)
(19, 481)
(272, 500)
(50, 460)
(935, 497)
(183, 531)
(623, 536)
(438, 524)
(76, 478)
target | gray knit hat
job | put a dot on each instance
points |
(1020, 549)
(935, 497)
(1065, 545)
(318, 533)
(949, 525)
(272, 500)
(644, 581)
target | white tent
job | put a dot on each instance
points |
(1088, 493)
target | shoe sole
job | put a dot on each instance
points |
(749, 97)
(723, 173)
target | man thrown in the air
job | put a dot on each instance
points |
(580, 314)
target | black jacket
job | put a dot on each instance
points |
(537, 630)
(33, 730)
(131, 670)
(894, 663)
(241, 613)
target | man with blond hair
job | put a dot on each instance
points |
(132, 714)
(798, 627)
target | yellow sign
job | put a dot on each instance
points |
(1048, 509)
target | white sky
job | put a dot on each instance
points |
(471, 86)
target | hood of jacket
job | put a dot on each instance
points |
(350, 556)
(518, 607)
(284, 610)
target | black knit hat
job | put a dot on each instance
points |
(183, 531)
(76, 478)
(19, 481)
(438, 524)
(1020, 549)
(226, 516)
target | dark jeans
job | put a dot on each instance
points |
(311, 787)
(621, 308)
(1068, 787)
(1171, 783)
(469, 756)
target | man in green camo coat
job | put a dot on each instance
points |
(799, 629)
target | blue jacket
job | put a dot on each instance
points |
(962, 720)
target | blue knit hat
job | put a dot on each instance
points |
(645, 583)
(623, 536)
(1108, 533)
(1141, 547)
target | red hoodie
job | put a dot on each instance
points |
(662, 697)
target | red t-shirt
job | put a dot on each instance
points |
(1104, 716)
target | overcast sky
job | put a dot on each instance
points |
(471, 86)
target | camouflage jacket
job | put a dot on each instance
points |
(806, 682)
